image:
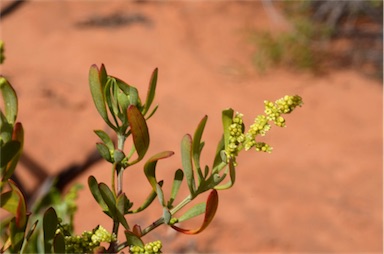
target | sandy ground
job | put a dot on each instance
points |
(319, 191)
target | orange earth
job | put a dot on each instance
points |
(321, 190)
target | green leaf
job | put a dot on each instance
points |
(218, 158)
(118, 155)
(121, 202)
(151, 91)
(8, 151)
(160, 195)
(139, 130)
(13, 201)
(17, 235)
(106, 139)
(232, 175)
(108, 198)
(18, 136)
(194, 211)
(210, 211)
(166, 215)
(97, 81)
(197, 147)
(59, 243)
(10, 100)
(152, 113)
(104, 152)
(227, 116)
(49, 226)
(148, 200)
(179, 175)
(150, 167)
(94, 188)
(132, 239)
(186, 160)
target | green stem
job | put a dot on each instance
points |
(181, 204)
(151, 227)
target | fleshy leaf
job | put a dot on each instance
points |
(104, 152)
(94, 188)
(13, 201)
(232, 177)
(197, 146)
(194, 211)
(120, 205)
(160, 195)
(139, 130)
(17, 236)
(179, 175)
(108, 198)
(150, 167)
(59, 243)
(133, 239)
(8, 151)
(49, 226)
(10, 100)
(210, 211)
(97, 81)
(148, 200)
(186, 159)
(106, 139)
(151, 91)
(227, 116)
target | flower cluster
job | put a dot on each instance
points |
(273, 112)
(236, 136)
(149, 248)
(88, 240)
(284, 105)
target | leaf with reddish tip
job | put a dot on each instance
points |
(210, 211)
(150, 167)
(140, 134)
(13, 201)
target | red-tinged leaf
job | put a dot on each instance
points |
(139, 130)
(137, 230)
(150, 167)
(21, 210)
(210, 211)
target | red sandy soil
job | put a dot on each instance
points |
(319, 191)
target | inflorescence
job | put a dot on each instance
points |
(149, 248)
(88, 240)
(239, 140)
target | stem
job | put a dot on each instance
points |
(181, 204)
(152, 226)
(119, 170)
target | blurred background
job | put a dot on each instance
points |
(321, 188)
